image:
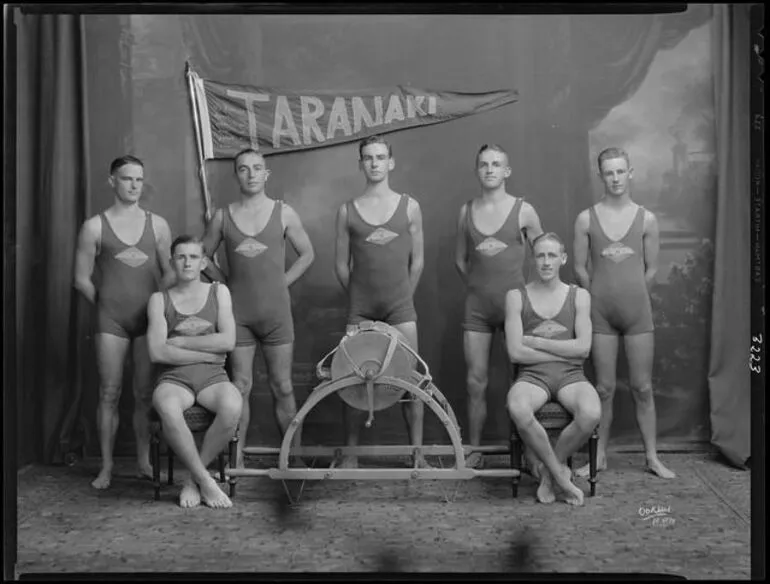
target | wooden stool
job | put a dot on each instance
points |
(554, 418)
(198, 419)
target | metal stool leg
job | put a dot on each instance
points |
(593, 442)
(170, 465)
(516, 455)
(221, 460)
(155, 460)
(233, 456)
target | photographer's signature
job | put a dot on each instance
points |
(657, 515)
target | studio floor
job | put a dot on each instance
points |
(703, 531)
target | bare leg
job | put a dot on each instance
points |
(414, 411)
(170, 401)
(524, 399)
(111, 353)
(353, 419)
(278, 359)
(582, 401)
(476, 346)
(225, 400)
(535, 464)
(640, 350)
(142, 402)
(242, 360)
(604, 354)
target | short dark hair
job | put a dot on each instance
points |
(243, 153)
(609, 154)
(119, 163)
(494, 148)
(373, 140)
(549, 235)
(185, 238)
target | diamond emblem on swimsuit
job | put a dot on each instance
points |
(617, 252)
(490, 247)
(381, 236)
(192, 326)
(250, 248)
(548, 329)
(132, 257)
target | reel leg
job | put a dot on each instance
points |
(288, 492)
(453, 497)
(293, 500)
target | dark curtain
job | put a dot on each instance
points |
(729, 381)
(52, 192)
(612, 54)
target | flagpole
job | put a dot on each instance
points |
(198, 142)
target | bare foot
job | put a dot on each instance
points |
(545, 493)
(103, 479)
(144, 471)
(474, 460)
(189, 496)
(213, 496)
(240, 461)
(573, 494)
(420, 462)
(585, 471)
(538, 470)
(655, 466)
(348, 462)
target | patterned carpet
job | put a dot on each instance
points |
(344, 526)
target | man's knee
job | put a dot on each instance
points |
(243, 380)
(109, 395)
(642, 392)
(520, 410)
(167, 406)
(477, 380)
(588, 415)
(605, 389)
(282, 387)
(229, 408)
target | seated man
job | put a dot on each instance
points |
(190, 331)
(548, 334)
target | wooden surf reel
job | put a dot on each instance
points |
(371, 369)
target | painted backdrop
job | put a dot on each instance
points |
(584, 82)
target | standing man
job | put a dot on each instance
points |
(130, 248)
(491, 233)
(190, 331)
(254, 231)
(622, 238)
(548, 333)
(378, 261)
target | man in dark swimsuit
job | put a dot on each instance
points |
(378, 261)
(191, 329)
(490, 258)
(622, 241)
(254, 231)
(129, 274)
(548, 334)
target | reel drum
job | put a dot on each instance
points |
(367, 350)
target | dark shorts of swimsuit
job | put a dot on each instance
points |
(195, 377)
(551, 376)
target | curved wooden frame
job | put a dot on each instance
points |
(328, 388)
(421, 388)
